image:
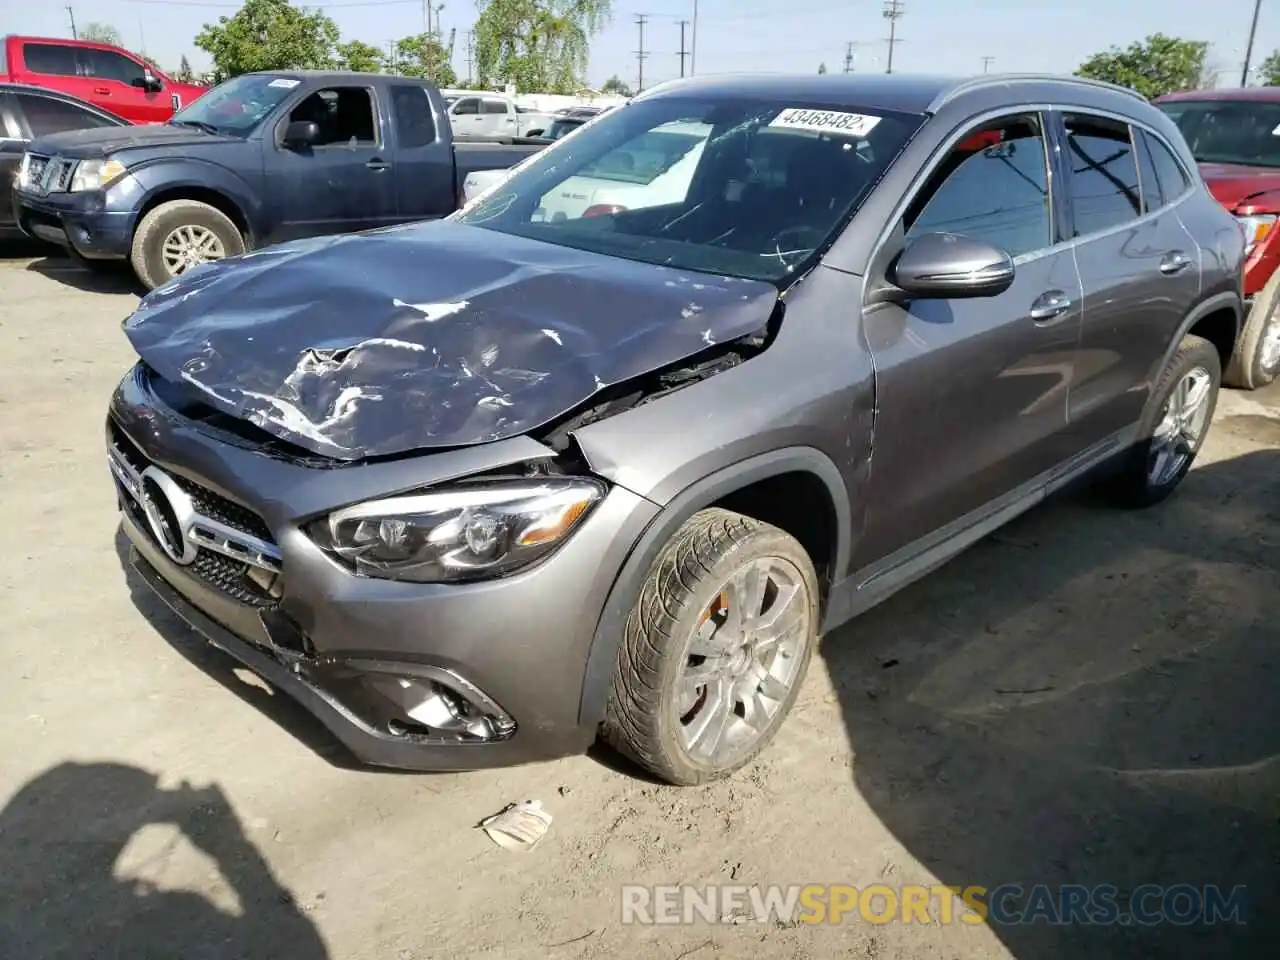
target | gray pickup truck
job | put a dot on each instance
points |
(260, 159)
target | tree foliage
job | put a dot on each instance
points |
(185, 73)
(1269, 70)
(615, 86)
(1158, 65)
(269, 35)
(539, 45)
(359, 56)
(424, 56)
(101, 33)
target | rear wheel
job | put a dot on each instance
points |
(1255, 362)
(180, 235)
(715, 650)
(1174, 428)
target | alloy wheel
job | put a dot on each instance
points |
(189, 246)
(1182, 425)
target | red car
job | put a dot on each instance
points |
(108, 77)
(1235, 137)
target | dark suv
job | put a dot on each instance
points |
(476, 491)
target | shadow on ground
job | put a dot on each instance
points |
(1099, 705)
(50, 261)
(79, 879)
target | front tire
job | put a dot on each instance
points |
(179, 235)
(1174, 428)
(715, 650)
(1255, 361)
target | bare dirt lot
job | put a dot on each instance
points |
(1090, 697)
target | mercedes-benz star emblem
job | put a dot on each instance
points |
(169, 511)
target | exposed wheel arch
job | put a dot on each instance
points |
(214, 198)
(749, 487)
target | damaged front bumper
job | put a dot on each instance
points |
(416, 676)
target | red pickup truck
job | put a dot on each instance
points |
(116, 80)
(1235, 137)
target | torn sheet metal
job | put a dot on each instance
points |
(428, 335)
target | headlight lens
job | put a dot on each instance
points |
(1255, 228)
(95, 174)
(24, 171)
(470, 532)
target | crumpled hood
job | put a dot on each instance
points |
(104, 141)
(429, 335)
(1232, 184)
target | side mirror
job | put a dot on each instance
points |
(148, 82)
(301, 133)
(951, 265)
(534, 133)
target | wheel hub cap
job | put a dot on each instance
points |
(1182, 424)
(189, 246)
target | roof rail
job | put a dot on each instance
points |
(995, 79)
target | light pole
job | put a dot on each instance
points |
(1248, 50)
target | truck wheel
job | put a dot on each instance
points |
(179, 235)
(1255, 362)
(1174, 427)
(715, 650)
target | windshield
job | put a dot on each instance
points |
(1245, 132)
(744, 188)
(238, 105)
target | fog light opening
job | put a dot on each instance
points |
(435, 710)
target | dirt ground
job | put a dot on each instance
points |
(1088, 697)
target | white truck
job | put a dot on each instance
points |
(482, 113)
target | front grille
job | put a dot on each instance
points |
(217, 520)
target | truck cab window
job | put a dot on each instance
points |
(112, 66)
(344, 115)
(493, 106)
(50, 58)
(415, 124)
(468, 106)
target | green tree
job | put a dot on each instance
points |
(539, 45)
(615, 86)
(269, 35)
(1158, 65)
(1269, 70)
(822, 68)
(100, 33)
(185, 73)
(359, 56)
(424, 56)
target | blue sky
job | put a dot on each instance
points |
(939, 36)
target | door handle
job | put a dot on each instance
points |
(376, 164)
(1050, 306)
(102, 91)
(1174, 262)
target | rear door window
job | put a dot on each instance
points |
(53, 59)
(415, 124)
(46, 115)
(1170, 174)
(1102, 173)
(493, 106)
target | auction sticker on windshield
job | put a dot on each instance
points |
(285, 82)
(825, 121)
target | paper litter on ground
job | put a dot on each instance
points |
(519, 827)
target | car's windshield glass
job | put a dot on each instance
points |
(745, 188)
(1229, 131)
(238, 105)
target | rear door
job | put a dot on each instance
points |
(424, 170)
(41, 115)
(1139, 268)
(118, 84)
(979, 386)
(344, 182)
(499, 118)
(56, 66)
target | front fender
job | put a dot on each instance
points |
(172, 176)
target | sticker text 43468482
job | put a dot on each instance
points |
(825, 121)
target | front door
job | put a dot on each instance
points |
(343, 182)
(971, 394)
(119, 85)
(1139, 267)
(466, 118)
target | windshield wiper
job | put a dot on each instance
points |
(206, 127)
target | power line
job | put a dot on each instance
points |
(683, 52)
(893, 11)
(641, 20)
(986, 63)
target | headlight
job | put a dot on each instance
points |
(95, 174)
(1255, 228)
(24, 171)
(468, 532)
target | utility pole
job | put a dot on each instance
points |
(848, 57)
(471, 51)
(683, 52)
(142, 37)
(1248, 50)
(641, 20)
(391, 56)
(893, 11)
(72, 14)
(693, 45)
(986, 63)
